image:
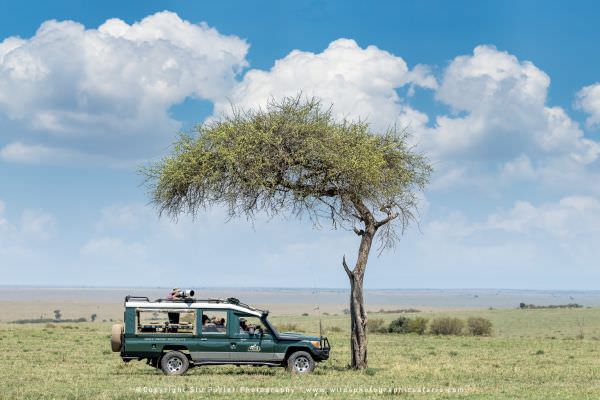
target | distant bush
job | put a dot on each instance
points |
(533, 306)
(399, 325)
(47, 321)
(346, 311)
(446, 326)
(398, 311)
(478, 326)
(417, 325)
(34, 321)
(305, 314)
(376, 325)
(333, 329)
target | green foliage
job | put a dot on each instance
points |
(417, 325)
(479, 326)
(292, 157)
(399, 325)
(446, 326)
(408, 325)
(376, 325)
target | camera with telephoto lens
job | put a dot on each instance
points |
(183, 294)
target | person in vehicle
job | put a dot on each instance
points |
(243, 325)
(207, 324)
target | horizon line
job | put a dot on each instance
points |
(60, 286)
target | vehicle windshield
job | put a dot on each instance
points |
(271, 326)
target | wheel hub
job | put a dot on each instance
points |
(301, 364)
(174, 364)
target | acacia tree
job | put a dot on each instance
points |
(294, 157)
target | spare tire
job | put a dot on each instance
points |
(116, 337)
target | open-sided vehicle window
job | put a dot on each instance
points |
(251, 325)
(166, 321)
(214, 322)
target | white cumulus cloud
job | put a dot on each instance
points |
(501, 125)
(118, 80)
(505, 112)
(588, 100)
(359, 82)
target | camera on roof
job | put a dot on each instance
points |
(181, 293)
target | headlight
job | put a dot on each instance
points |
(316, 343)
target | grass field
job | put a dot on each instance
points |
(533, 354)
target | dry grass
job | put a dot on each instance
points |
(533, 354)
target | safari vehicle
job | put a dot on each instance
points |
(176, 334)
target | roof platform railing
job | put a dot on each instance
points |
(229, 300)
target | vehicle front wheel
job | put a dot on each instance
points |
(300, 362)
(174, 363)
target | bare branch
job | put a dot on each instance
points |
(348, 271)
(387, 219)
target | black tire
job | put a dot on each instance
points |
(300, 362)
(174, 363)
(154, 362)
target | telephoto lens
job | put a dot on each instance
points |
(188, 293)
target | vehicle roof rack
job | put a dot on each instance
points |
(229, 300)
(130, 297)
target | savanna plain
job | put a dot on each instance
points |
(531, 354)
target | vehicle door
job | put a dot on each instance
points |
(212, 344)
(250, 340)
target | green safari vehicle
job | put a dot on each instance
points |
(176, 334)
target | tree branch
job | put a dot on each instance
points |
(359, 232)
(348, 271)
(387, 219)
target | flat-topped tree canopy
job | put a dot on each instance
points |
(294, 157)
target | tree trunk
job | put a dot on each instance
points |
(358, 323)
(358, 314)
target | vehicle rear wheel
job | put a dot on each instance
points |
(116, 337)
(174, 363)
(300, 362)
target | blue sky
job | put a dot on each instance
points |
(503, 97)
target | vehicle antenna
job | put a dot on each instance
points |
(318, 308)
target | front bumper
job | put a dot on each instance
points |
(322, 353)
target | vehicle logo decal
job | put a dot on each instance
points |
(254, 347)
